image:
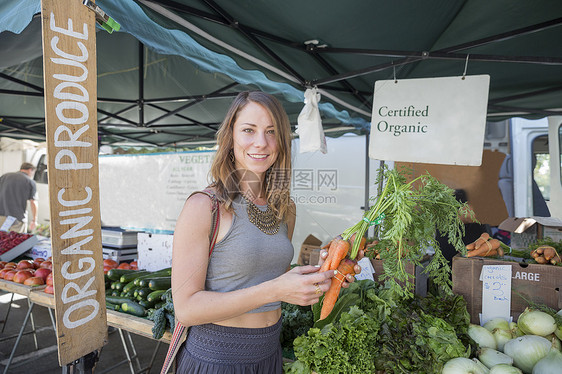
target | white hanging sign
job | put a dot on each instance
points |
(430, 120)
(367, 269)
(496, 292)
(8, 223)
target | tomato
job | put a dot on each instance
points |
(11, 265)
(2, 263)
(49, 289)
(24, 264)
(22, 275)
(9, 275)
(49, 280)
(107, 268)
(124, 265)
(34, 281)
(134, 265)
(110, 262)
(42, 273)
(46, 264)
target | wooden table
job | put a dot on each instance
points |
(121, 321)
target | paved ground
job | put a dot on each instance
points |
(44, 359)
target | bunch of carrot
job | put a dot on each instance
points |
(546, 254)
(337, 259)
(485, 246)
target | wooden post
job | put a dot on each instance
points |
(69, 68)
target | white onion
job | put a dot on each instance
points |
(550, 364)
(490, 357)
(515, 330)
(481, 336)
(502, 337)
(496, 323)
(527, 350)
(535, 322)
(505, 369)
(461, 365)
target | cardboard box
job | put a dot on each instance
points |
(538, 283)
(154, 251)
(420, 277)
(525, 231)
(310, 251)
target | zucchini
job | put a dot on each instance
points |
(129, 277)
(115, 274)
(129, 286)
(160, 273)
(111, 306)
(143, 292)
(159, 305)
(116, 299)
(162, 283)
(155, 296)
(133, 308)
(118, 286)
(146, 304)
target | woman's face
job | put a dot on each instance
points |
(254, 141)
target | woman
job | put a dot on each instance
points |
(232, 299)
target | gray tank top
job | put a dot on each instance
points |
(246, 256)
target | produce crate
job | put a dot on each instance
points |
(420, 277)
(19, 249)
(535, 282)
(154, 251)
(117, 237)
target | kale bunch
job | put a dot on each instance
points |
(297, 320)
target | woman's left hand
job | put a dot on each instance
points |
(348, 278)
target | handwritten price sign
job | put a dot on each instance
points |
(496, 292)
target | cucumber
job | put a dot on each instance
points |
(129, 277)
(115, 274)
(111, 306)
(133, 308)
(116, 299)
(162, 283)
(155, 296)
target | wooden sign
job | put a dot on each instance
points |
(69, 69)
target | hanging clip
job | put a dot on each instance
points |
(465, 67)
(105, 21)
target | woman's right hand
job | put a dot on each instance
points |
(303, 285)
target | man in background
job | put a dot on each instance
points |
(16, 189)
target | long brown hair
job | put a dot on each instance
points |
(225, 180)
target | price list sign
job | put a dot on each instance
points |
(496, 292)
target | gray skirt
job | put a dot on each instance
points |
(215, 349)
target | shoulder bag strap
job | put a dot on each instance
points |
(180, 331)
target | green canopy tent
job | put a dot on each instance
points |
(169, 75)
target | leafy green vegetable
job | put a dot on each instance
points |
(296, 321)
(385, 331)
(345, 347)
(409, 213)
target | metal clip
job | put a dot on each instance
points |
(105, 21)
